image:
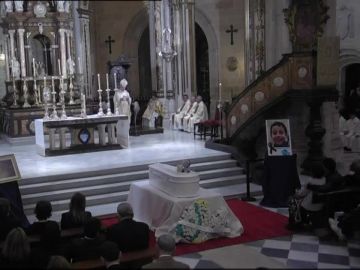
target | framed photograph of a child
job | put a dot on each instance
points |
(278, 137)
(9, 170)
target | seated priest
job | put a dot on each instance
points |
(152, 111)
(179, 118)
(176, 118)
(200, 114)
(190, 113)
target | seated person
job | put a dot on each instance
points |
(77, 216)
(186, 118)
(177, 117)
(86, 247)
(8, 220)
(110, 255)
(42, 212)
(333, 179)
(129, 234)
(200, 114)
(311, 213)
(166, 247)
(353, 180)
(152, 111)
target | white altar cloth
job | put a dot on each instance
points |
(162, 211)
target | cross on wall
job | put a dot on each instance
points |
(109, 41)
(231, 31)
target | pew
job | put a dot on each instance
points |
(133, 260)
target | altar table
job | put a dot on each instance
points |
(161, 211)
(113, 133)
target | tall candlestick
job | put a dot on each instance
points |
(115, 80)
(59, 67)
(219, 92)
(33, 67)
(107, 80)
(99, 80)
(52, 83)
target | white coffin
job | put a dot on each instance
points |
(167, 179)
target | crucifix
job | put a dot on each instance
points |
(109, 40)
(231, 31)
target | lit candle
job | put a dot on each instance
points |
(99, 80)
(59, 67)
(219, 92)
(115, 80)
(44, 82)
(34, 67)
(107, 80)
(79, 63)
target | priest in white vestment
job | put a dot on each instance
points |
(180, 112)
(122, 100)
(349, 130)
(188, 115)
(199, 114)
(148, 117)
(179, 117)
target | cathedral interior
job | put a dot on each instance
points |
(251, 61)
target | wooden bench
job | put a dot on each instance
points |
(134, 259)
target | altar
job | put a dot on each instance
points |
(93, 133)
(166, 213)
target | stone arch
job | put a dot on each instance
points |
(131, 40)
(347, 57)
(209, 31)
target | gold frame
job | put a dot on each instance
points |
(14, 171)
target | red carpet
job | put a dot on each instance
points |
(258, 224)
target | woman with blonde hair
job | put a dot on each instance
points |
(16, 250)
(76, 216)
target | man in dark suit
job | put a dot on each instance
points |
(166, 246)
(110, 254)
(130, 235)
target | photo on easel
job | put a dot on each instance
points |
(278, 137)
(9, 170)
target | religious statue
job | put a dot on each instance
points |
(70, 66)
(15, 68)
(60, 6)
(67, 6)
(122, 99)
(8, 6)
(19, 6)
(40, 69)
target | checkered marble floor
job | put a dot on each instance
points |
(300, 250)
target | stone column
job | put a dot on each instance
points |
(63, 52)
(21, 32)
(12, 43)
(7, 58)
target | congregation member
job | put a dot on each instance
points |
(200, 114)
(8, 220)
(87, 247)
(346, 224)
(311, 213)
(130, 235)
(16, 251)
(43, 210)
(110, 255)
(177, 118)
(166, 248)
(76, 217)
(190, 113)
(57, 263)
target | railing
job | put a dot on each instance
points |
(248, 197)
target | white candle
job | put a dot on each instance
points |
(52, 83)
(79, 63)
(44, 82)
(34, 67)
(59, 67)
(219, 92)
(107, 80)
(99, 80)
(115, 80)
